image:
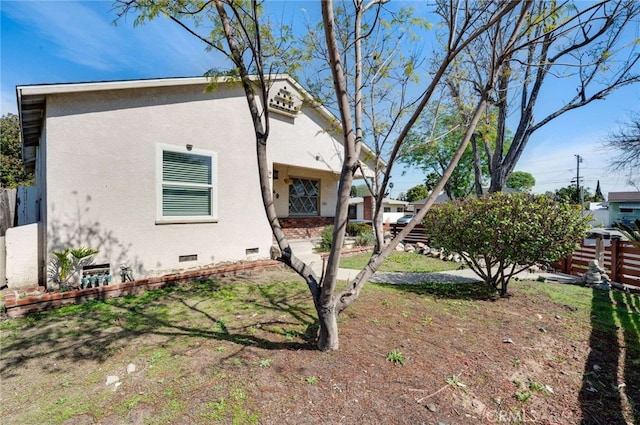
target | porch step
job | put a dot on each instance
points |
(302, 247)
(304, 250)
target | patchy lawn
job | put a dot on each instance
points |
(239, 350)
(401, 262)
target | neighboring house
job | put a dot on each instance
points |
(624, 207)
(162, 174)
(361, 209)
(599, 212)
(415, 206)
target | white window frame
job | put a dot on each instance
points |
(160, 218)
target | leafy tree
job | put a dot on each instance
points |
(501, 234)
(521, 180)
(431, 144)
(360, 190)
(583, 43)
(12, 172)
(416, 193)
(598, 196)
(626, 142)
(571, 194)
(238, 30)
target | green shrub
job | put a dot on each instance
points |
(365, 239)
(503, 234)
(357, 229)
(361, 231)
(326, 238)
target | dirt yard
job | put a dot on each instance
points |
(240, 351)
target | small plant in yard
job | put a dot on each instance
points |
(535, 386)
(396, 357)
(326, 239)
(516, 362)
(223, 326)
(365, 239)
(311, 380)
(265, 363)
(632, 232)
(67, 263)
(522, 396)
(454, 381)
(426, 320)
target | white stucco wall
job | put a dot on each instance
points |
(3, 262)
(21, 245)
(101, 176)
(100, 168)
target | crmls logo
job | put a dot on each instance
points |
(511, 416)
(520, 416)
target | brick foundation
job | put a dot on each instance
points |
(304, 227)
(36, 301)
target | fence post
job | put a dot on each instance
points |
(566, 266)
(615, 253)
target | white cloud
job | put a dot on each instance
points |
(553, 163)
(76, 31)
(84, 34)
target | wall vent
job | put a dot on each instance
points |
(183, 258)
(251, 251)
(284, 102)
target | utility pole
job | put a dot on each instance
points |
(578, 191)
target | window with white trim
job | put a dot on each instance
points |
(303, 197)
(187, 185)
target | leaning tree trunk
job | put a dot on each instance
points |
(328, 334)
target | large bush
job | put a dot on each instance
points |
(502, 234)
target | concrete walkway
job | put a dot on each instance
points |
(451, 276)
(305, 250)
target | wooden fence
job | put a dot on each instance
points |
(621, 260)
(417, 234)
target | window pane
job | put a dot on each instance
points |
(303, 197)
(185, 201)
(186, 168)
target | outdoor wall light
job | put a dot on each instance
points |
(189, 146)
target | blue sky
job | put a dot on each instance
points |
(72, 41)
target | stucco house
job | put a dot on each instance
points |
(161, 174)
(624, 207)
(361, 209)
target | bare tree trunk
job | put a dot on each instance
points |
(328, 335)
(477, 166)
